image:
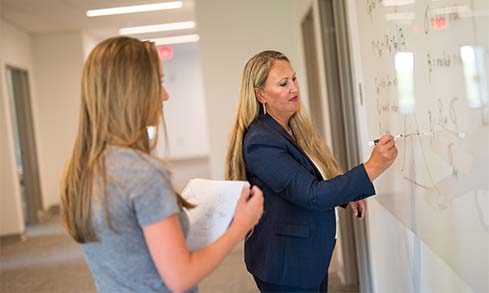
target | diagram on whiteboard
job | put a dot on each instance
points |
(426, 76)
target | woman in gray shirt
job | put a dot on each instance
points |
(117, 199)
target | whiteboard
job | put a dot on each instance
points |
(425, 69)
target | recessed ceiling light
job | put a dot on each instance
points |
(175, 40)
(157, 28)
(135, 8)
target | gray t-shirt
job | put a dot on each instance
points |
(138, 195)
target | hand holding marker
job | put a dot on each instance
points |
(375, 141)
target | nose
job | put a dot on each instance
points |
(164, 94)
(294, 87)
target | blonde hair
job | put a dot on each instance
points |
(120, 96)
(255, 75)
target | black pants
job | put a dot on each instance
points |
(270, 287)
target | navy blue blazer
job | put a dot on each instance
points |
(294, 240)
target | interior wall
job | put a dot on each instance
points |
(58, 60)
(89, 42)
(227, 41)
(15, 50)
(185, 111)
(53, 63)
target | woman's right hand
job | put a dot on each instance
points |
(248, 211)
(383, 155)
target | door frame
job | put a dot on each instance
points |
(19, 95)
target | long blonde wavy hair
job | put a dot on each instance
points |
(255, 75)
(121, 94)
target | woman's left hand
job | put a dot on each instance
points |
(359, 208)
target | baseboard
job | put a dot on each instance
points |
(12, 238)
(45, 215)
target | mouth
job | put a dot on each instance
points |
(294, 99)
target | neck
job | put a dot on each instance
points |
(283, 121)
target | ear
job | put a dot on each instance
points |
(259, 95)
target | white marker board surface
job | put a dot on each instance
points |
(425, 70)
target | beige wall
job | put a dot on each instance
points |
(15, 50)
(54, 64)
(185, 111)
(58, 59)
(227, 41)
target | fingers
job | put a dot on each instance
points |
(392, 153)
(385, 139)
(245, 193)
(354, 208)
(256, 195)
(386, 148)
(363, 208)
(389, 145)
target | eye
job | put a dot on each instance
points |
(283, 83)
(294, 78)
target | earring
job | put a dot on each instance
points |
(264, 109)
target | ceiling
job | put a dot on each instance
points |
(55, 16)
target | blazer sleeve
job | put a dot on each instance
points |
(268, 158)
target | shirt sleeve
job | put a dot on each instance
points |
(268, 159)
(154, 199)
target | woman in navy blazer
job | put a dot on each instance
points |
(274, 146)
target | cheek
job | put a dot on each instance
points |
(279, 96)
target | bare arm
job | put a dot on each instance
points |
(180, 268)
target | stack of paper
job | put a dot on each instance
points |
(216, 201)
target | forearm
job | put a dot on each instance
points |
(327, 194)
(202, 262)
(372, 170)
(182, 269)
(179, 268)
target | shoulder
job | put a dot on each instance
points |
(261, 132)
(127, 165)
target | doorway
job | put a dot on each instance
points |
(25, 144)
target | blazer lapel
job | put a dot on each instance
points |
(275, 125)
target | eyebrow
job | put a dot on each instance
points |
(285, 78)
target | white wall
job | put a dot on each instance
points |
(227, 41)
(185, 111)
(15, 50)
(89, 41)
(54, 63)
(58, 61)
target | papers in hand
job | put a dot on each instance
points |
(216, 201)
